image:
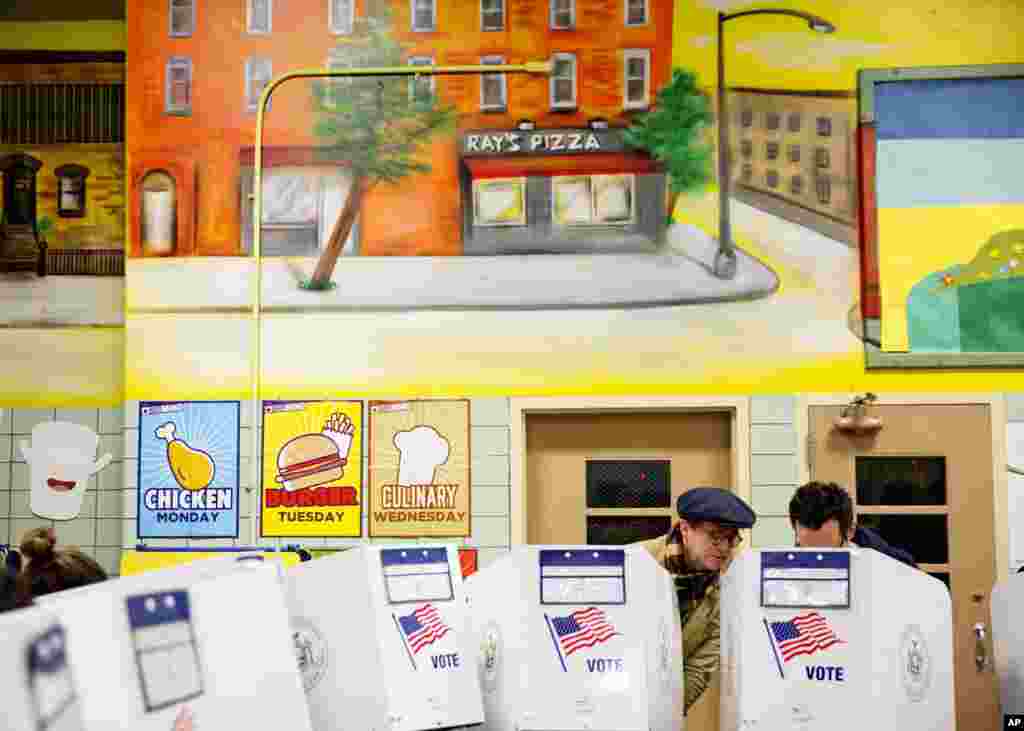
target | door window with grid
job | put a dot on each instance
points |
(627, 500)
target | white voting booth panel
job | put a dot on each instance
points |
(1008, 641)
(39, 688)
(574, 637)
(209, 642)
(838, 640)
(381, 637)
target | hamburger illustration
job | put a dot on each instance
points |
(309, 460)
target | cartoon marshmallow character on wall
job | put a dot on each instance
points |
(61, 459)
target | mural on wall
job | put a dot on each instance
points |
(188, 480)
(312, 469)
(62, 211)
(419, 469)
(61, 458)
(529, 209)
(945, 147)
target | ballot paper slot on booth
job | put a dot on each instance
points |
(206, 642)
(801, 650)
(575, 638)
(797, 579)
(582, 577)
(165, 648)
(389, 651)
(51, 683)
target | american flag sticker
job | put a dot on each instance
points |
(804, 634)
(422, 628)
(577, 631)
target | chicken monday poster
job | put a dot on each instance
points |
(189, 456)
(419, 469)
(312, 469)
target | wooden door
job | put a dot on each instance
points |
(925, 482)
(697, 448)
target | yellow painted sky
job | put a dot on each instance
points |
(783, 53)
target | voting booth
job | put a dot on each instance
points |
(205, 645)
(577, 638)
(1008, 641)
(380, 635)
(844, 639)
(40, 692)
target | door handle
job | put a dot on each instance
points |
(980, 651)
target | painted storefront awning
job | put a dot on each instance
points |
(551, 165)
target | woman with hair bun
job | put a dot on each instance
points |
(50, 569)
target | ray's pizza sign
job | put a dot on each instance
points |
(485, 143)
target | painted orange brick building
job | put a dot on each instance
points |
(194, 68)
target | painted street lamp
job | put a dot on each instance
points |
(725, 259)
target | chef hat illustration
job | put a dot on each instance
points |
(421, 450)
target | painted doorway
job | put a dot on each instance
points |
(925, 482)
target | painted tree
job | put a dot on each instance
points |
(673, 133)
(378, 127)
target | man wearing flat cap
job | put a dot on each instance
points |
(695, 551)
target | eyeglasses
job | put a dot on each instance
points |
(724, 540)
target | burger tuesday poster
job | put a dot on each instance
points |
(419, 469)
(312, 469)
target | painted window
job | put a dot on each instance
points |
(822, 158)
(772, 178)
(421, 88)
(747, 118)
(636, 82)
(582, 200)
(794, 153)
(563, 14)
(771, 150)
(563, 81)
(300, 208)
(178, 86)
(424, 15)
(492, 14)
(258, 73)
(493, 87)
(796, 185)
(182, 18)
(824, 127)
(341, 15)
(259, 16)
(794, 122)
(499, 202)
(636, 12)
(824, 190)
(771, 121)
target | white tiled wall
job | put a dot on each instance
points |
(97, 528)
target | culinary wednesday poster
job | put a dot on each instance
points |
(312, 469)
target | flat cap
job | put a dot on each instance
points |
(715, 505)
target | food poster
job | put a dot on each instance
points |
(189, 454)
(419, 469)
(312, 469)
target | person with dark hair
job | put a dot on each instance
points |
(8, 580)
(50, 569)
(821, 514)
